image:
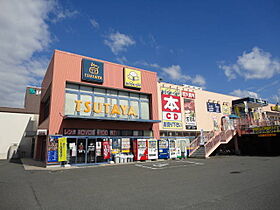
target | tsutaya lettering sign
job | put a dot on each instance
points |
(171, 108)
(110, 109)
(92, 71)
(132, 78)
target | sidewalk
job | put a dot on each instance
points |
(33, 165)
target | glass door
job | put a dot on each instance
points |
(91, 151)
(71, 150)
(81, 151)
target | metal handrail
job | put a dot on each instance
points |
(194, 145)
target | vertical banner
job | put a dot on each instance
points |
(125, 145)
(171, 108)
(52, 150)
(106, 150)
(62, 149)
(116, 144)
(189, 108)
(226, 109)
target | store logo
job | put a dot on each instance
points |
(132, 78)
(92, 71)
(93, 68)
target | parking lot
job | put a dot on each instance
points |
(224, 182)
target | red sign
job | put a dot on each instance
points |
(171, 116)
(106, 150)
(171, 103)
(188, 94)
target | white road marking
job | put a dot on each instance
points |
(157, 166)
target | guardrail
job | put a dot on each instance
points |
(194, 145)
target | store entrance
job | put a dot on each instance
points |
(85, 150)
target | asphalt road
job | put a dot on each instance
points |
(216, 183)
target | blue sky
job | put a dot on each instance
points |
(230, 47)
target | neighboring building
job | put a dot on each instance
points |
(18, 128)
(272, 113)
(194, 110)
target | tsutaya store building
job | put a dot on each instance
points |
(91, 108)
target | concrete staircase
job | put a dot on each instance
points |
(199, 153)
(211, 143)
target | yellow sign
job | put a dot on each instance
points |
(170, 91)
(267, 135)
(62, 149)
(132, 78)
(226, 109)
(275, 108)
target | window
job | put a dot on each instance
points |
(70, 105)
(135, 105)
(99, 91)
(98, 107)
(112, 93)
(134, 95)
(72, 87)
(86, 89)
(124, 108)
(145, 114)
(123, 94)
(99, 102)
(86, 110)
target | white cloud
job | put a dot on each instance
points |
(122, 60)
(155, 65)
(145, 63)
(59, 13)
(256, 64)
(24, 32)
(94, 23)
(118, 42)
(276, 98)
(244, 93)
(199, 80)
(174, 72)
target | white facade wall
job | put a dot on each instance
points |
(16, 132)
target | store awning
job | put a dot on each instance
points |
(110, 119)
(233, 116)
